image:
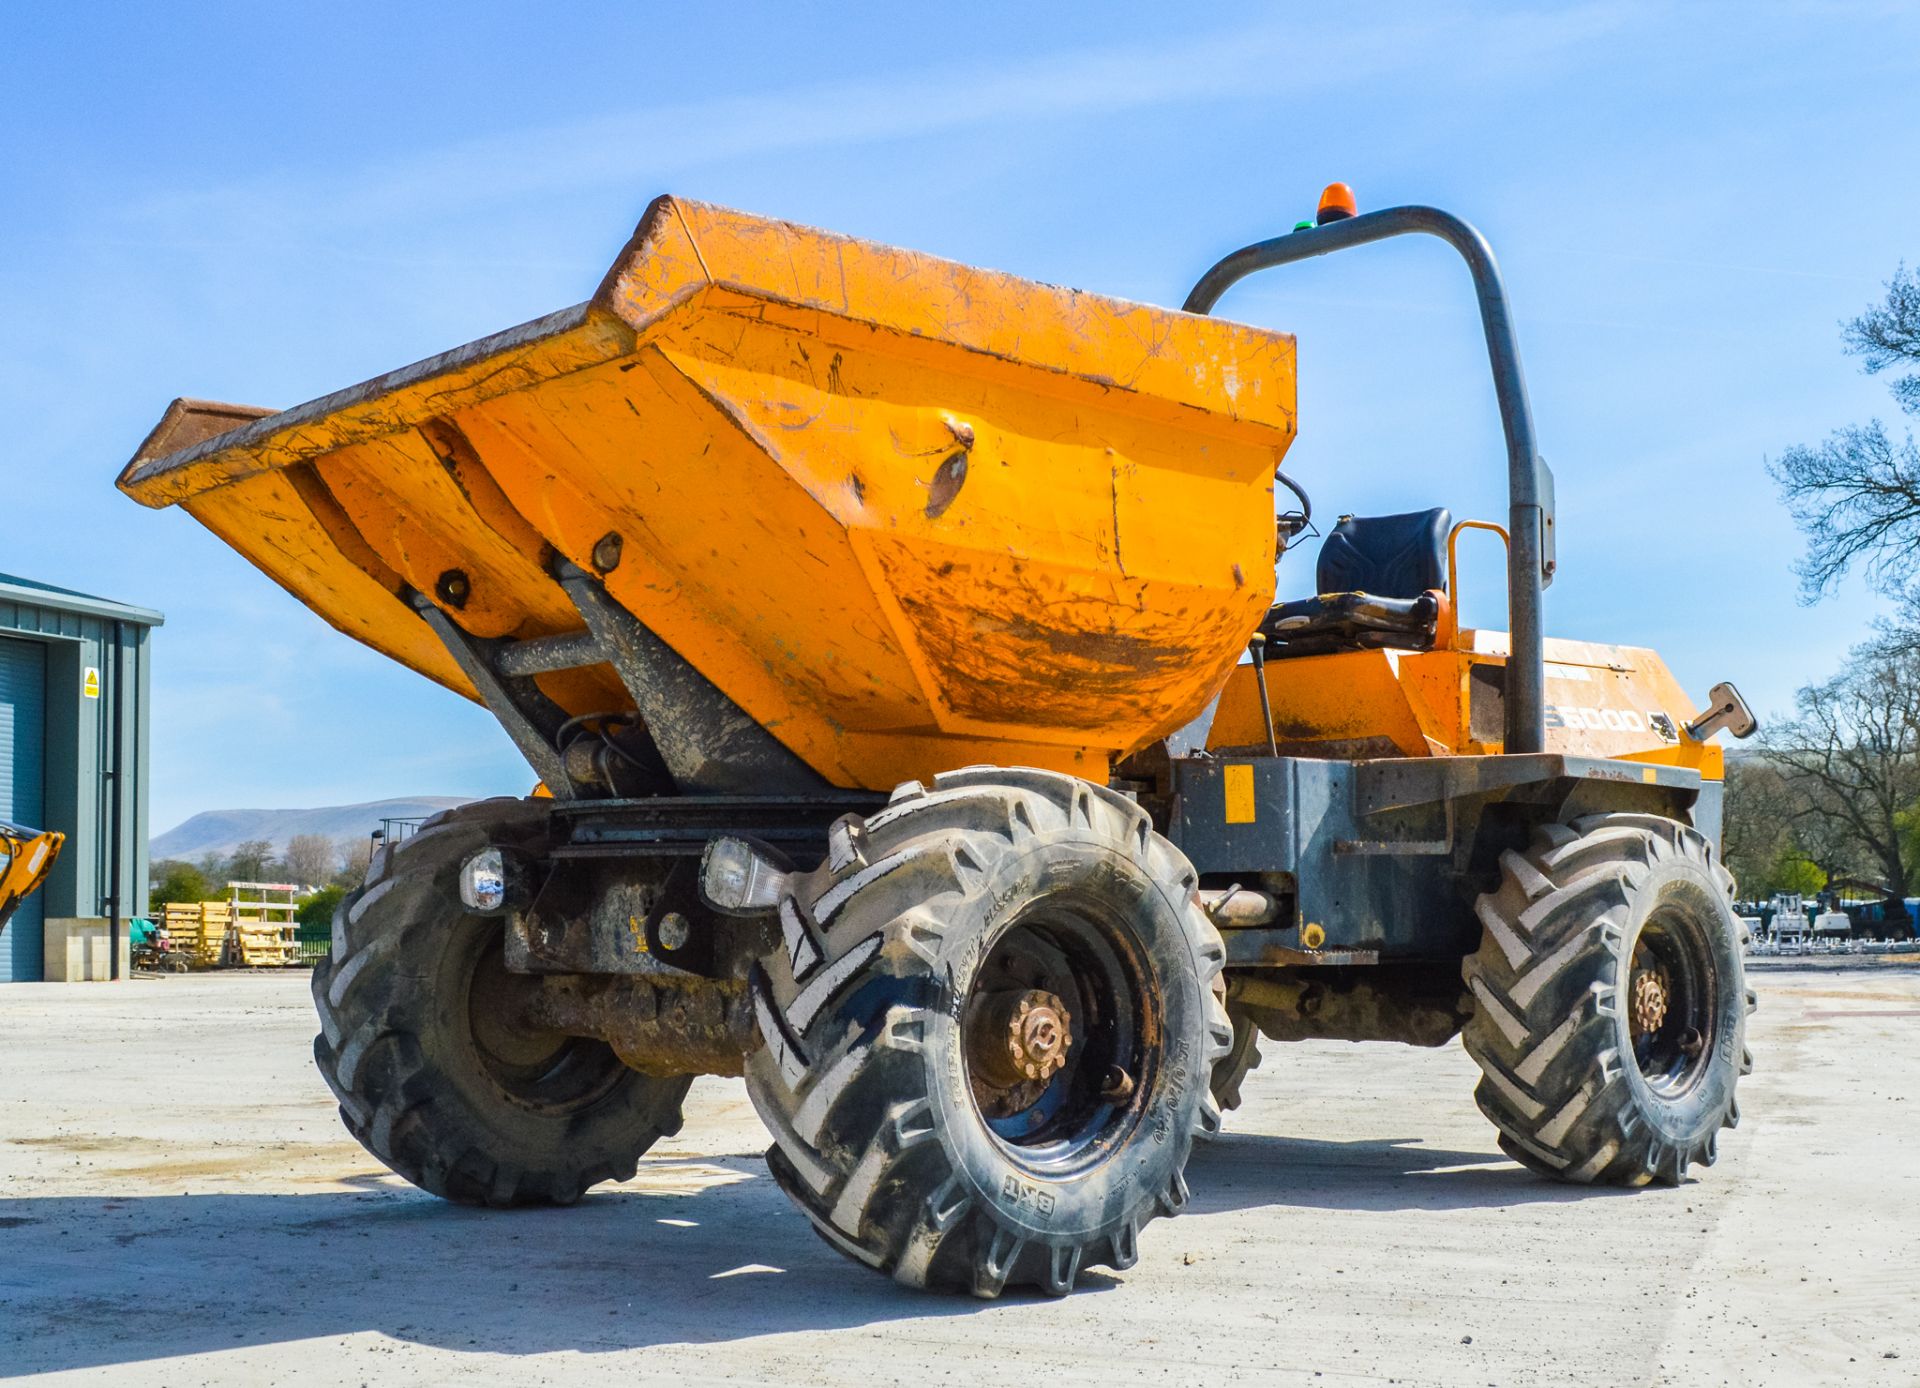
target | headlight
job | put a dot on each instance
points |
(741, 877)
(491, 881)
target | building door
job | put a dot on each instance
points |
(23, 788)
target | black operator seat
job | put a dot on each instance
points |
(1375, 573)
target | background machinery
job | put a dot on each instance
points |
(26, 857)
(876, 626)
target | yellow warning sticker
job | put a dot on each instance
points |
(90, 685)
(1238, 780)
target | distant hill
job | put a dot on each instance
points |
(221, 831)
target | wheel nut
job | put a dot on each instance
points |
(1019, 1037)
(1648, 1001)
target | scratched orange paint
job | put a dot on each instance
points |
(908, 514)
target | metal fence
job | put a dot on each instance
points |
(396, 831)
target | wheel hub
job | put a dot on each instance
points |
(1051, 1035)
(1020, 1037)
(1649, 1001)
(509, 1042)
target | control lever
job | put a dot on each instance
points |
(1727, 710)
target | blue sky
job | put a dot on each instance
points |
(235, 202)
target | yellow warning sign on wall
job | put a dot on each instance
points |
(90, 685)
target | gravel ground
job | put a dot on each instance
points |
(179, 1205)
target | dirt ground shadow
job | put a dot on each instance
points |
(87, 1282)
(1238, 1171)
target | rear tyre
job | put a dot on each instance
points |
(989, 1032)
(1242, 1058)
(1611, 1002)
(431, 1076)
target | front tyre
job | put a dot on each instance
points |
(1611, 1001)
(989, 1032)
(418, 1043)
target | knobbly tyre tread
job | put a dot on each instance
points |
(390, 1069)
(846, 1004)
(1243, 1057)
(1549, 1031)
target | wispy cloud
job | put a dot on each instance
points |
(1293, 60)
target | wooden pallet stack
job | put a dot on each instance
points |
(198, 930)
(253, 928)
(261, 931)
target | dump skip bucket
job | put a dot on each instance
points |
(906, 514)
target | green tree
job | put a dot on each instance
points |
(178, 881)
(251, 861)
(316, 910)
(1792, 873)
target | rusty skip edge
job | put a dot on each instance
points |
(262, 425)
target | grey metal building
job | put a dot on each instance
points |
(73, 753)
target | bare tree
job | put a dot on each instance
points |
(1756, 822)
(311, 859)
(1773, 835)
(1854, 754)
(1857, 496)
(353, 853)
(1888, 335)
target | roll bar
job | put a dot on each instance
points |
(1530, 551)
